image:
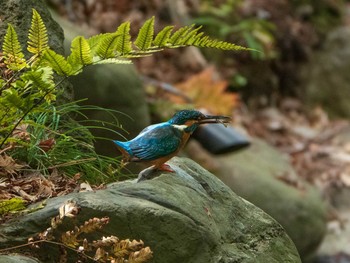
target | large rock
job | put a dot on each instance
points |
(186, 216)
(261, 175)
(19, 14)
(326, 78)
(116, 87)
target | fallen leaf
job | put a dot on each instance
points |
(47, 145)
(68, 209)
(207, 92)
(85, 187)
(8, 165)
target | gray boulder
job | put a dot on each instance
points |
(261, 175)
(187, 216)
(326, 78)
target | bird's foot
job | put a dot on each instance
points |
(166, 168)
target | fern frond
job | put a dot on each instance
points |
(108, 45)
(37, 37)
(177, 35)
(114, 61)
(11, 98)
(57, 62)
(14, 58)
(41, 80)
(124, 41)
(189, 37)
(80, 54)
(213, 43)
(163, 36)
(94, 42)
(145, 36)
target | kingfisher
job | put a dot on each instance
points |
(158, 143)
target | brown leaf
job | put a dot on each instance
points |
(8, 165)
(21, 132)
(47, 145)
(68, 209)
(208, 93)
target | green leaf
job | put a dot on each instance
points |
(57, 62)
(108, 45)
(145, 37)
(163, 36)
(124, 41)
(177, 35)
(190, 37)
(95, 41)
(14, 58)
(114, 61)
(80, 54)
(37, 37)
(12, 99)
(180, 35)
(41, 80)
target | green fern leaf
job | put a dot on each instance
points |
(94, 42)
(163, 36)
(190, 37)
(41, 80)
(114, 61)
(57, 62)
(145, 36)
(196, 38)
(124, 41)
(14, 58)
(108, 45)
(177, 35)
(11, 99)
(213, 43)
(37, 37)
(80, 54)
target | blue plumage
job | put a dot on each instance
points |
(156, 141)
(159, 142)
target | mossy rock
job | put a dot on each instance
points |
(187, 216)
(261, 175)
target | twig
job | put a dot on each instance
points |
(49, 242)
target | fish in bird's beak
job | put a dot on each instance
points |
(215, 119)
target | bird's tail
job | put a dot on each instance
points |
(124, 149)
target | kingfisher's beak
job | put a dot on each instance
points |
(215, 119)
